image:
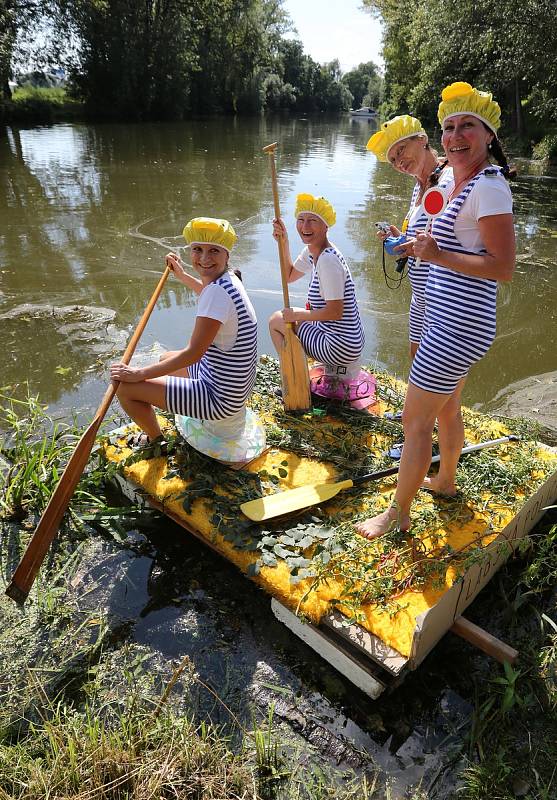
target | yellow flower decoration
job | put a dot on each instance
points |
(391, 132)
(462, 98)
(207, 230)
(308, 204)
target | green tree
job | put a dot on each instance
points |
(505, 49)
(365, 84)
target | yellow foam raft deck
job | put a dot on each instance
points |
(336, 607)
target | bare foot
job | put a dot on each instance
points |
(434, 485)
(377, 526)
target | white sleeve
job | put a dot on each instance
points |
(303, 262)
(331, 277)
(491, 195)
(215, 302)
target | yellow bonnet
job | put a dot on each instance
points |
(206, 230)
(391, 132)
(461, 98)
(308, 204)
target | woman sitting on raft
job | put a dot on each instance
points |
(403, 143)
(213, 376)
(329, 328)
(470, 249)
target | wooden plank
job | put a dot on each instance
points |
(366, 643)
(316, 638)
(484, 641)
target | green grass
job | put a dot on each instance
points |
(36, 104)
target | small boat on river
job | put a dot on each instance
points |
(365, 112)
(372, 609)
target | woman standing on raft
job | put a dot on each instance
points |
(471, 248)
(329, 328)
(403, 143)
(213, 376)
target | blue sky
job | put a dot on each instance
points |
(336, 29)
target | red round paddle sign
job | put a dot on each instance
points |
(434, 202)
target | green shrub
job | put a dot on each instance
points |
(546, 149)
(42, 104)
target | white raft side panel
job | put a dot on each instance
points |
(366, 643)
(434, 623)
(311, 635)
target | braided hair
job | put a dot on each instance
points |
(496, 151)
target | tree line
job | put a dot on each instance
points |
(508, 48)
(167, 59)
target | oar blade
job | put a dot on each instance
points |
(275, 505)
(294, 373)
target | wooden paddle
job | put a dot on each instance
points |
(296, 395)
(49, 522)
(275, 505)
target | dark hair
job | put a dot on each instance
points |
(433, 179)
(238, 274)
(496, 151)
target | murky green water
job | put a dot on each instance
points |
(88, 212)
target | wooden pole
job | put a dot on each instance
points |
(484, 641)
(294, 370)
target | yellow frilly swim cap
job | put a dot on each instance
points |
(391, 132)
(206, 230)
(308, 204)
(461, 98)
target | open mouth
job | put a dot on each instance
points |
(458, 149)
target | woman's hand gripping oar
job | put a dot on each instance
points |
(294, 370)
(46, 530)
(275, 505)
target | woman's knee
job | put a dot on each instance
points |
(276, 322)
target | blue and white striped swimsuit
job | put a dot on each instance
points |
(418, 275)
(337, 342)
(221, 381)
(460, 312)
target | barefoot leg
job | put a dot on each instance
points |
(451, 442)
(421, 409)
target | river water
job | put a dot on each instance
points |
(89, 211)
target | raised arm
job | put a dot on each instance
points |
(175, 263)
(279, 232)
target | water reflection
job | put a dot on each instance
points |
(88, 212)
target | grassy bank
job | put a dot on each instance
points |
(42, 105)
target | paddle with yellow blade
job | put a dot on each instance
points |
(294, 371)
(275, 505)
(48, 525)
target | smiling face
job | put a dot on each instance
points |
(312, 229)
(409, 155)
(209, 260)
(465, 140)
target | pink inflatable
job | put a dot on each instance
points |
(354, 391)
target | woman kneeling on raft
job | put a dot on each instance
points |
(403, 143)
(329, 327)
(471, 248)
(213, 376)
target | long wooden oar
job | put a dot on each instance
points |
(275, 505)
(296, 395)
(49, 522)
